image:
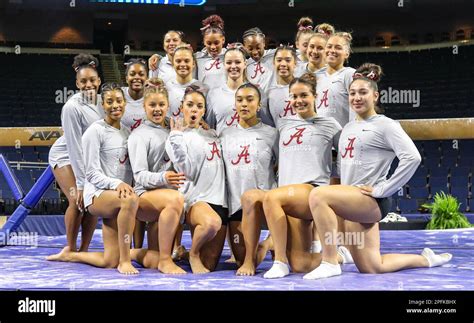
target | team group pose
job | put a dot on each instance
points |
(226, 140)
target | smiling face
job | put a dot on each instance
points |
(285, 63)
(302, 100)
(363, 98)
(302, 43)
(234, 64)
(193, 108)
(136, 77)
(171, 41)
(87, 80)
(214, 43)
(114, 105)
(247, 103)
(336, 51)
(156, 107)
(183, 62)
(255, 46)
(315, 51)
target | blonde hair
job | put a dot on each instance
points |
(155, 85)
(346, 36)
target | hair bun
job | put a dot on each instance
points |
(213, 21)
(369, 71)
(305, 23)
(310, 78)
(325, 29)
(197, 87)
(155, 82)
(84, 60)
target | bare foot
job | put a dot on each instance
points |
(63, 255)
(247, 269)
(127, 268)
(231, 260)
(169, 267)
(196, 265)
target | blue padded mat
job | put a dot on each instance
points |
(25, 268)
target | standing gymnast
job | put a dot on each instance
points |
(260, 62)
(333, 83)
(210, 61)
(221, 112)
(66, 155)
(184, 63)
(367, 148)
(136, 74)
(304, 33)
(279, 104)
(162, 67)
(197, 154)
(316, 63)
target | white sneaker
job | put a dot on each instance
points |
(345, 255)
(391, 217)
(401, 218)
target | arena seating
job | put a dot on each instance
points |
(33, 88)
(445, 81)
(454, 177)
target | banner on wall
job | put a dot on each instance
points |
(29, 136)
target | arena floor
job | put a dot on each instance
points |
(25, 268)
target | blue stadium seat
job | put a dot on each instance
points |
(431, 148)
(438, 181)
(418, 182)
(460, 171)
(24, 177)
(467, 146)
(447, 147)
(421, 172)
(394, 205)
(43, 153)
(51, 194)
(459, 181)
(31, 157)
(461, 193)
(431, 162)
(449, 161)
(407, 205)
(438, 172)
(419, 192)
(42, 149)
(9, 149)
(465, 161)
(401, 192)
(14, 156)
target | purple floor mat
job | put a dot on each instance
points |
(25, 268)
